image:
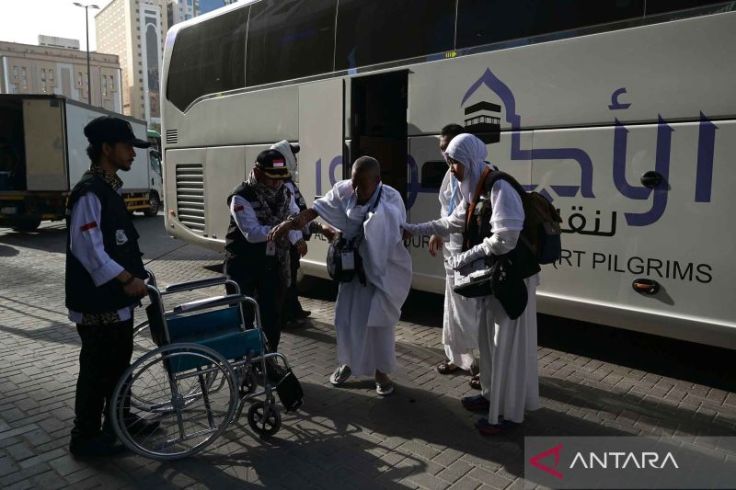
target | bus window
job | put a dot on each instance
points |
(489, 21)
(370, 32)
(290, 39)
(208, 57)
(661, 6)
(432, 175)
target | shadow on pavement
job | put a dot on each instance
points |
(697, 363)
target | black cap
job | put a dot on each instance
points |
(273, 164)
(108, 129)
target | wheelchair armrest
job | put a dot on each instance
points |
(203, 304)
(199, 284)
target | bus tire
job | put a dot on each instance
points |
(154, 205)
(27, 223)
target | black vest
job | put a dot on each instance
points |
(236, 246)
(479, 228)
(116, 226)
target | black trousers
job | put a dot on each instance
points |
(105, 355)
(262, 281)
(292, 307)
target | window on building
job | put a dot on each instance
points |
(489, 21)
(385, 30)
(207, 58)
(290, 39)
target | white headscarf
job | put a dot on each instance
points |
(471, 152)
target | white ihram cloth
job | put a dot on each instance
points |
(460, 319)
(365, 316)
(508, 348)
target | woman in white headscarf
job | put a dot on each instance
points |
(460, 314)
(508, 348)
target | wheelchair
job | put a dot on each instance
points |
(206, 366)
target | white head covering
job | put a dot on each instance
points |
(284, 148)
(471, 152)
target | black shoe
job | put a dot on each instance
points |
(296, 324)
(138, 426)
(302, 314)
(96, 447)
(476, 403)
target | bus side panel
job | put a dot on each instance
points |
(678, 235)
(45, 145)
(320, 159)
(675, 68)
(224, 169)
(260, 117)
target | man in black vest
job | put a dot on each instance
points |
(104, 282)
(262, 268)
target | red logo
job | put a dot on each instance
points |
(555, 451)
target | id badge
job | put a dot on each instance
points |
(270, 248)
(348, 261)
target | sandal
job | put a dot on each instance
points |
(446, 367)
(475, 382)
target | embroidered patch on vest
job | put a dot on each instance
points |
(120, 237)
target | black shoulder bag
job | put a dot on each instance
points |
(343, 258)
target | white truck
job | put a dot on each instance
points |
(43, 154)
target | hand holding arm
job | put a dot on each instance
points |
(294, 223)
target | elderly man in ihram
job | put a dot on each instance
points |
(369, 215)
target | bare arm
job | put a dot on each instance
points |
(294, 223)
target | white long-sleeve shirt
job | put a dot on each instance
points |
(248, 224)
(507, 220)
(86, 244)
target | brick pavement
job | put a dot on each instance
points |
(419, 438)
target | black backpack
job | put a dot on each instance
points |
(541, 233)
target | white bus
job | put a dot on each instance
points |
(623, 112)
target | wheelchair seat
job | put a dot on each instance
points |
(219, 330)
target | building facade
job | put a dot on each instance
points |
(29, 69)
(58, 42)
(181, 10)
(135, 31)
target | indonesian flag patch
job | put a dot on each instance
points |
(279, 163)
(89, 226)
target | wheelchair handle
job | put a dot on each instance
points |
(204, 304)
(199, 284)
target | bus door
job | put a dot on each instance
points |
(321, 137)
(378, 124)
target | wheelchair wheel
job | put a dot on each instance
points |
(143, 343)
(181, 414)
(264, 418)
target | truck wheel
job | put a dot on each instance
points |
(27, 223)
(154, 205)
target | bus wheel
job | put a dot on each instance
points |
(154, 204)
(27, 223)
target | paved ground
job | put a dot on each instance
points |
(594, 381)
